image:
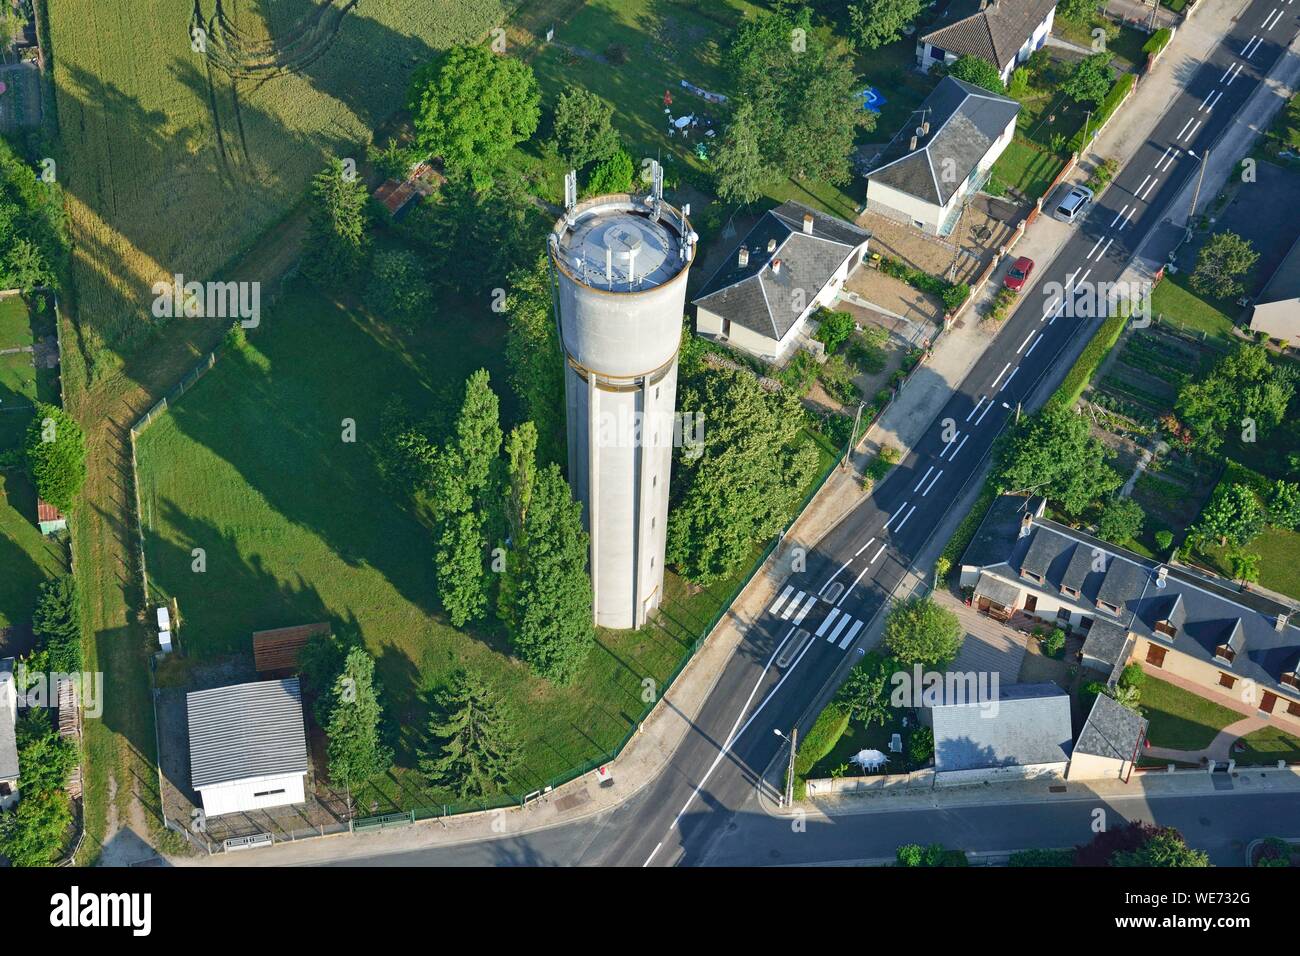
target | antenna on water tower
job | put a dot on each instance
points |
(656, 189)
(570, 194)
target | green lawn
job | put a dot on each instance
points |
(1268, 746)
(1182, 720)
(249, 466)
(15, 328)
(1284, 135)
(1173, 300)
(26, 556)
(1026, 167)
(858, 738)
(1279, 560)
(1127, 45)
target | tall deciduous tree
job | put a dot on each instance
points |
(864, 695)
(1222, 262)
(919, 631)
(979, 71)
(56, 455)
(475, 748)
(355, 750)
(877, 22)
(1233, 516)
(471, 106)
(551, 624)
(583, 130)
(739, 171)
(739, 483)
(1053, 454)
(534, 357)
(467, 473)
(337, 244)
(1091, 79)
(56, 622)
(1244, 393)
(803, 91)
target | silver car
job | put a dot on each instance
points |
(1073, 206)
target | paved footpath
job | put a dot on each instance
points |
(647, 755)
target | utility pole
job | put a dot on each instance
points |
(789, 776)
(1155, 6)
(1018, 407)
(1196, 194)
(1087, 118)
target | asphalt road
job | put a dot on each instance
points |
(703, 807)
(1221, 824)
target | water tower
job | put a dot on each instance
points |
(620, 264)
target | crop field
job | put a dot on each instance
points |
(250, 466)
(176, 160)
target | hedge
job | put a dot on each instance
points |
(1159, 40)
(1094, 353)
(1108, 106)
(821, 739)
(1039, 858)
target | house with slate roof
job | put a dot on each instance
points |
(1003, 32)
(942, 157)
(1023, 734)
(792, 262)
(1110, 742)
(1277, 308)
(1230, 643)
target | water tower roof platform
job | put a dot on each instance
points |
(618, 244)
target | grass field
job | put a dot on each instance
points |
(1181, 720)
(1267, 746)
(250, 467)
(1026, 167)
(1173, 300)
(171, 166)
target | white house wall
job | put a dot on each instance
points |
(241, 796)
(957, 778)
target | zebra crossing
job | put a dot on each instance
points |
(838, 628)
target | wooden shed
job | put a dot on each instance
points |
(279, 650)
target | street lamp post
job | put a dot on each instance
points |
(787, 799)
(1196, 194)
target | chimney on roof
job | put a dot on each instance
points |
(925, 127)
(912, 145)
(984, 4)
(771, 245)
(743, 257)
(1162, 572)
(1026, 524)
(1280, 624)
(776, 267)
(807, 223)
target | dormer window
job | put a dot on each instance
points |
(1167, 629)
(1225, 653)
(1291, 680)
(1112, 608)
(1032, 575)
(1069, 591)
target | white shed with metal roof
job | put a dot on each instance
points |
(248, 746)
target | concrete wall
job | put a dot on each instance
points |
(890, 202)
(241, 795)
(1093, 767)
(957, 778)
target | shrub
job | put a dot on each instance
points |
(954, 296)
(913, 854)
(611, 175)
(1092, 356)
(1121, 519)
(1164, 539)
(820, 740)
(1109, 104)
(1002, 303)
(55, 449)
(885, 459)
(1102, 175)
(1133, 676)
(834, 330)
(398, 290)
(920, 746)
(235, 338)
(1054, 643)
(1157, 41)
(1042, 858)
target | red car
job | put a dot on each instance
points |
(1019, 274)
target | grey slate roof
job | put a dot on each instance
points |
(1031, 725)
(995, 590)
(1285, 283)
(995, 33)
(1106, 641)
(755, 297)
(1112, 730)
(1210, 608)
(1000, 524)
(8, 743)
(965, 120)
(246, 730)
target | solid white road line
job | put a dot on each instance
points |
(1193, 132)
(1172, 158)
(948, 447)
(1205, 102)
(1003, 372)
(1251, 47)
(789, 589)
(986, 411)
(895, 515)
(865, 546)
(1081, 282)
(832, 578)
(1214, 101)
(1004, 385)
(860, 576)
(1163, 158)
(1235, 71)
(1128, 214)
(1105, 249)
(1143, 186)
(1051, 310)
(963, 441)
(1275, 17)
(931, 484)
(1118, 214)
(1095, 246)
(909, 513)
(844, 620)
(1184, 129)
(923, 477)
(798, 618)
(652, 853)
(1149, 188)
(1031, 334)
(790, 608)
(973, 411)
(1226, 73)
(827, 623)
(1034, 346)
(848, 638)
(876, 555)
